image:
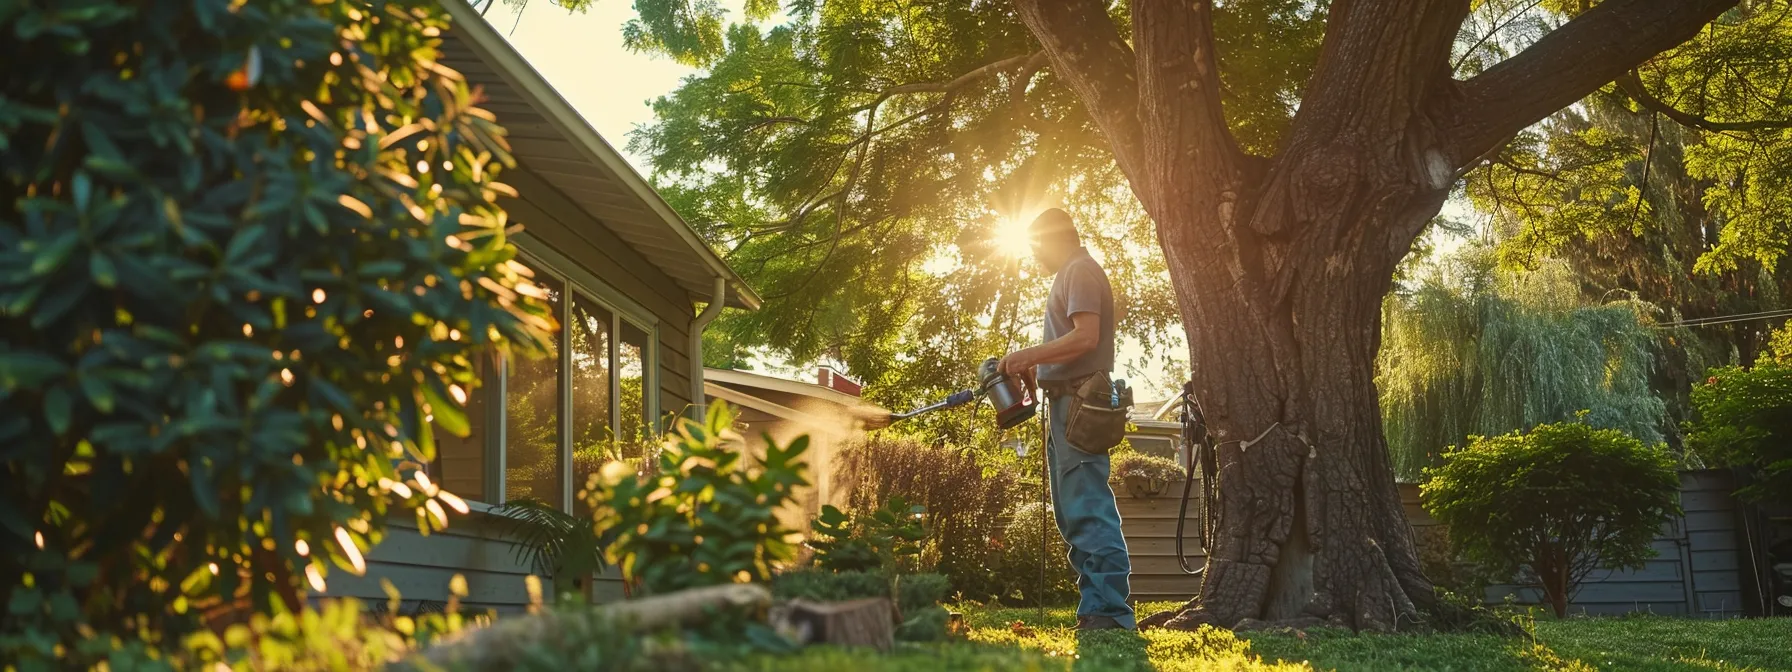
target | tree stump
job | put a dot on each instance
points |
(869, 622)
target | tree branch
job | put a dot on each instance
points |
(1632, 86)
(1570, 62)
(1179, 95)
(1086, 51)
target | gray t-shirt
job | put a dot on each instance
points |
(1081, 287)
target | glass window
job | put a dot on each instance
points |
(532, 465)
(592, 439)
(460, 462)
(635, 411)
(585, 402)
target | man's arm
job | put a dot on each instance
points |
(1082, 338)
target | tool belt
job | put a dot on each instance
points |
(1097, 416)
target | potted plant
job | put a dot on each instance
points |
(1146, 475)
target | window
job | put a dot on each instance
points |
(461, 462)
(532, 389)
(593, 442)
(588, 400)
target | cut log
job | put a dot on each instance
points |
(869, 622)
(501, 646)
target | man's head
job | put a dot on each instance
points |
(1054, 239)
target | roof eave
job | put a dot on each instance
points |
(495, 50)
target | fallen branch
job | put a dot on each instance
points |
(498, 646)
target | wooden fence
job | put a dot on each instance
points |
(1694, 571)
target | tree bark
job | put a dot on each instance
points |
(1280, 263)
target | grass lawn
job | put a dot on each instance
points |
(1049, 643)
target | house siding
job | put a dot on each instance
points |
(1694, 571)
(474, 546)
(421, 567)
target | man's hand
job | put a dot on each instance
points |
(1022, 364)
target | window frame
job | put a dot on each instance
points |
(576, 281)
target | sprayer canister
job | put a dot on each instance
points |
(1005, 395)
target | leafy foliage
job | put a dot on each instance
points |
(250, 254)
(554, 543)
(888, 538)
(1029, 541)
(1675, 207)
(1149, 467)
(1745, 419)
(965, 497)
(707, 517)
(1558, 502)
(1472, 349)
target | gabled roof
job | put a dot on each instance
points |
(871, 414)
(550, 138)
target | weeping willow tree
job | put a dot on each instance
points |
(1470, 349)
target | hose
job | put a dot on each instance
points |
(1200, 455)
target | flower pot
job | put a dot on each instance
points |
(1145, 486)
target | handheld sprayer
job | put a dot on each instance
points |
(1013, 405)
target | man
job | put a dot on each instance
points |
(1079, 342)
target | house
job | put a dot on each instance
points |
(829, 411)
(626, 276)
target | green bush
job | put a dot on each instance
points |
(1556, 502)
(965, 500)
(706, 518)
(888, 538)
(1744, 418)
(1031, 538)
(250, 249)
(1149, 467)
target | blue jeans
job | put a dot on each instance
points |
(1087, 516)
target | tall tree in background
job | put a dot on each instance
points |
(1671, 203)
(1285, 188)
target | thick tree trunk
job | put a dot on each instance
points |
(1309, 518)
(1280, 263)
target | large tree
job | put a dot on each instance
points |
(1287, 154)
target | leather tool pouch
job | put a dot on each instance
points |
(1097, 417)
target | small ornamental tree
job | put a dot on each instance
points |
(249, 255)
(1556, 502)
(1745, 419)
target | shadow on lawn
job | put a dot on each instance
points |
(1111, 650)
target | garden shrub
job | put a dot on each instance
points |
(1022, 545)
(1556, 502)
(1150, 468)
(1744, 418)
(707, 517)
(965, 501)
(251, 251)
(888, 538)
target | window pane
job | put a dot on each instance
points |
(591, 436)
(532, 468)
(460, 465)
(631, 364)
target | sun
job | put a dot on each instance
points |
(1011, 237)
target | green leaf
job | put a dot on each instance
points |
(24, 368)
(58, 410)
(24, 601)
(99, 393)
(104, 273)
